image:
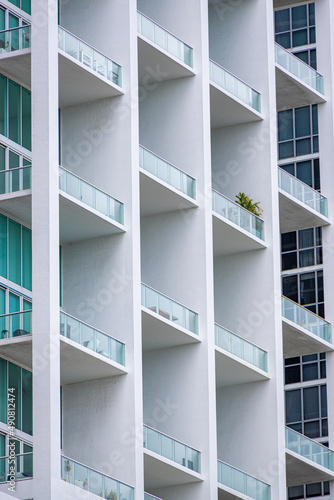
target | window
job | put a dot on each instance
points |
(301, 248)
(15, 377)
(306, 368)
(308, 491)
(306, 411)
(295, 27)
(22, 4)
(15, 112)
(11, 303)
(13, 177)
(15, 252)
(306, 289)
(298, 132)
(307, 171)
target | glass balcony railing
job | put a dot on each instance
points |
(299, 69)
(90, 57)
(237, 214)
(15, 325)
(241, 348)
(93, 339)
(243, 483)
(306, 319)
(90, 195)
(169, 309)
(15, 39)
(23, 467)
(147, 496)
(302, 192)
(307, 448)
(224, 79)
(15, 179)
(165, 40)
(169, 448)
(93, 481)
(167, 172)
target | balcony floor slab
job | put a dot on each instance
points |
(226, 493)
(80, 222)
(227, 110)
(297, 341)
(295, 215)
(79, 83)
(159, 332)
(159, 472)
(158, 197)
(17, 65)
(294, 93)
(77, 221)
(231, 370)
(77, 363)
(228, 238)
(300, 470)
(156, 65)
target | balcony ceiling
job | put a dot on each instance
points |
(300, 470)
(295, 215)
(293, 93)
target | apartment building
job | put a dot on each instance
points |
(158, 341)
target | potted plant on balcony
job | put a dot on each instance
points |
(246, 202)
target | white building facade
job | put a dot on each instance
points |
(157, 340)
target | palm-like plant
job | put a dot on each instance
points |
(246, 202)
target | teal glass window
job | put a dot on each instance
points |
(19, 379)
(15, 2)
(14, 251)
(26, 258)
(3, 246)
(3, 390)
(26, 118)
(26, 401)
(14, 111)
(2, 445)
(3, 105)
(14, 382)
(26, 6)
(2, 19)
(19, 255)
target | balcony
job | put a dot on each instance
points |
(147, 496)
(306, 460)
(16, 337)
(161, 55)
(237, 360)
(303, 331)
(297, 84)
(85, 74)
(86, 211)
(165, 322)
(300, 205)
(235, 229)
(234, 483)
(232, 101)
(88, 479)
(23, 468)
(169, 462)
(88, 353)
(163, 187)
(85, 352)
(15, 53)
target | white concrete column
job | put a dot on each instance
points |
(45, 250)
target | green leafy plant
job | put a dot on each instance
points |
(246, 202)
